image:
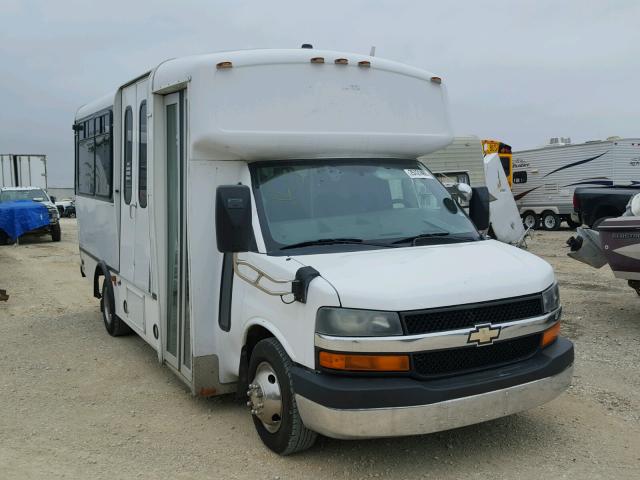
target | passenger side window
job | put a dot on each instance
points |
(142, 156)
(128, 154)
(94, 157)
(103, 157)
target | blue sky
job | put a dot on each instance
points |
(517, 71)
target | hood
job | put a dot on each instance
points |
(431, 276)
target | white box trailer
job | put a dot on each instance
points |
(261, 220)
(544, 178)
(23, 170)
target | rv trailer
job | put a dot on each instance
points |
(459, 162)
(544, 178)
(261, 220)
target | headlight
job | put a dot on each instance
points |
(551, 298)
(346, 322)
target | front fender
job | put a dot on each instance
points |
(274, 331)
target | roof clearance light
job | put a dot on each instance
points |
(341, 61)
(317, 60)
(437, 80)
(224, 65)
(364, 63)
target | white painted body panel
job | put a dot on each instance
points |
(431, 276)
(503, 211)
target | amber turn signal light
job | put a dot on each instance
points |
(550, 335)
(364, 363)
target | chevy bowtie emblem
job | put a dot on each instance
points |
(483, 334)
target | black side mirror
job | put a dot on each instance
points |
(479, 208)
(233, 218)
(52, 198)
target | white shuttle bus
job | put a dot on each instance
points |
(261, 220)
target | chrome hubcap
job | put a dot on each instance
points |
(529, 221)
(549, 222)
(265, 400)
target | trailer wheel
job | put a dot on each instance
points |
(530, 220)
(56, 233)
(272, 401)
(114, 324)
(550, 221)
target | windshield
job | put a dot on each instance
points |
(382, 202)
(36, 194)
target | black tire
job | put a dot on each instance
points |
(292, 436)
(56, 233)
(550, 221)
(573, 225)
(112, 323)
(5, 239)
(531, 220)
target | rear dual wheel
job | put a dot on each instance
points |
(272, 400)
(113, 324)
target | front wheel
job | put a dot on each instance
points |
(550, 221)
(56, 233)
(272, 400)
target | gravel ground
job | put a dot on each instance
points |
(77, 403)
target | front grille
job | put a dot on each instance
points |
(470, 315)
(472, 358)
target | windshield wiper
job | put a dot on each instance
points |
(333, 241)
(413, 239)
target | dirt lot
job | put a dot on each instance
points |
(77, 403)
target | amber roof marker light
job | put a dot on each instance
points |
(364, 63)
(436, 80)
(317, 60)
(341, 61)
(222, 65)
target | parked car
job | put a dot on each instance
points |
(593, 205)
(9, 194)
(66, 207)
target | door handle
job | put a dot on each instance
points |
(132, 205)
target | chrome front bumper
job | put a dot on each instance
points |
(421, 419)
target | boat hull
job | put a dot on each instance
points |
(620, 239)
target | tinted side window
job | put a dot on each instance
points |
(142, 156)
(86, 167)
(104, 158)
(94, 157)
(128, 154)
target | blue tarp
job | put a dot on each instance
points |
(21, 216)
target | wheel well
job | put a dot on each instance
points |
(548, 211)
(605, 211)
(99, 272)
(254, 335)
